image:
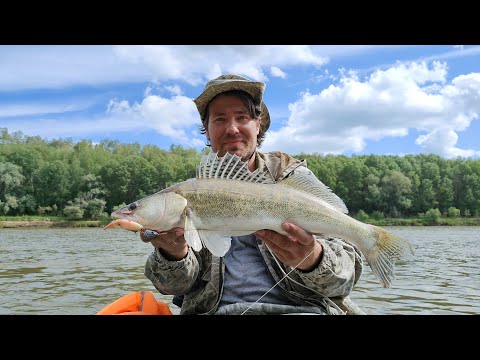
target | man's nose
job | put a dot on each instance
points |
(232, 127)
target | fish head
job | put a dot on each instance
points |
(160, 211)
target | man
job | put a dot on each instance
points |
(265, 272)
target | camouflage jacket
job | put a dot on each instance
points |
(199, 276)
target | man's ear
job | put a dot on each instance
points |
(259, 124)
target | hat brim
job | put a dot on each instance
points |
(253, 88)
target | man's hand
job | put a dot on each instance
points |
(172, 243)
(298, 248)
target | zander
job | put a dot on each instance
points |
(226, 199)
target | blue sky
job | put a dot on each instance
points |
(375, 99)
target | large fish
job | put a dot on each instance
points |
(226, 199)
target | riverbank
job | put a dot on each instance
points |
(9, 224)
(62, 223)
(473, 221)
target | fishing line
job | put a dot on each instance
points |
(279, 281)
(324, 298)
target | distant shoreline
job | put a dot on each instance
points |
(13, 224)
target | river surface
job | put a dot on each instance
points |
(79, 271)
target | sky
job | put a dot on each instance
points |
(325, 99)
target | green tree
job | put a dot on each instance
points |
(432, 215)
(11, 177)
(395, 189)
(9, 205)
(453, 212)
(52, 184)
(372, 192)
(26, 205)
(351, 180)
(361, 216)
(73, 212)
(427, 195)
(29, 161)
(445, 194)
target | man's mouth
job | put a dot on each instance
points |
(233, 142)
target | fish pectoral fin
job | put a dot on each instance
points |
(216, 242)
(191, 234)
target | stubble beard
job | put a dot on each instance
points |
(246, 152)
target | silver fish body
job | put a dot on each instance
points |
(233, 205)
(227, 200)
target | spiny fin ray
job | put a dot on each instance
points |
(230, 167)
(308, 182)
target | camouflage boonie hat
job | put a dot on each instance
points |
(234, 82)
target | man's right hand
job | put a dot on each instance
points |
(171, 243)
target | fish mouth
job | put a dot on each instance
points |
(121, 214)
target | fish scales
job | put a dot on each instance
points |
(236, 205)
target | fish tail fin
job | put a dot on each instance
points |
(388, 248)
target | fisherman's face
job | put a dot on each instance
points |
(231, 128)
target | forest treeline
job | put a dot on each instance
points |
(86, 180)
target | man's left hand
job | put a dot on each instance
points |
(299, 249)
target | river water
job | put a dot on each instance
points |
(79, 271)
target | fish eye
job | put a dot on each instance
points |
(132, 206)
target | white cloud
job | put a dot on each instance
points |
(174, 89)
(169, 117)
(173, 117)
(442, 142)
(30, 67)
(53, 128)
(459, 52)
(339, 51)
(276, 72)
(456, 53)
(47, 67)
(195, 64)
(388, 103)
(36, 109)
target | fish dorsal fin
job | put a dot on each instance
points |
(303, 179)
(230, 167)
